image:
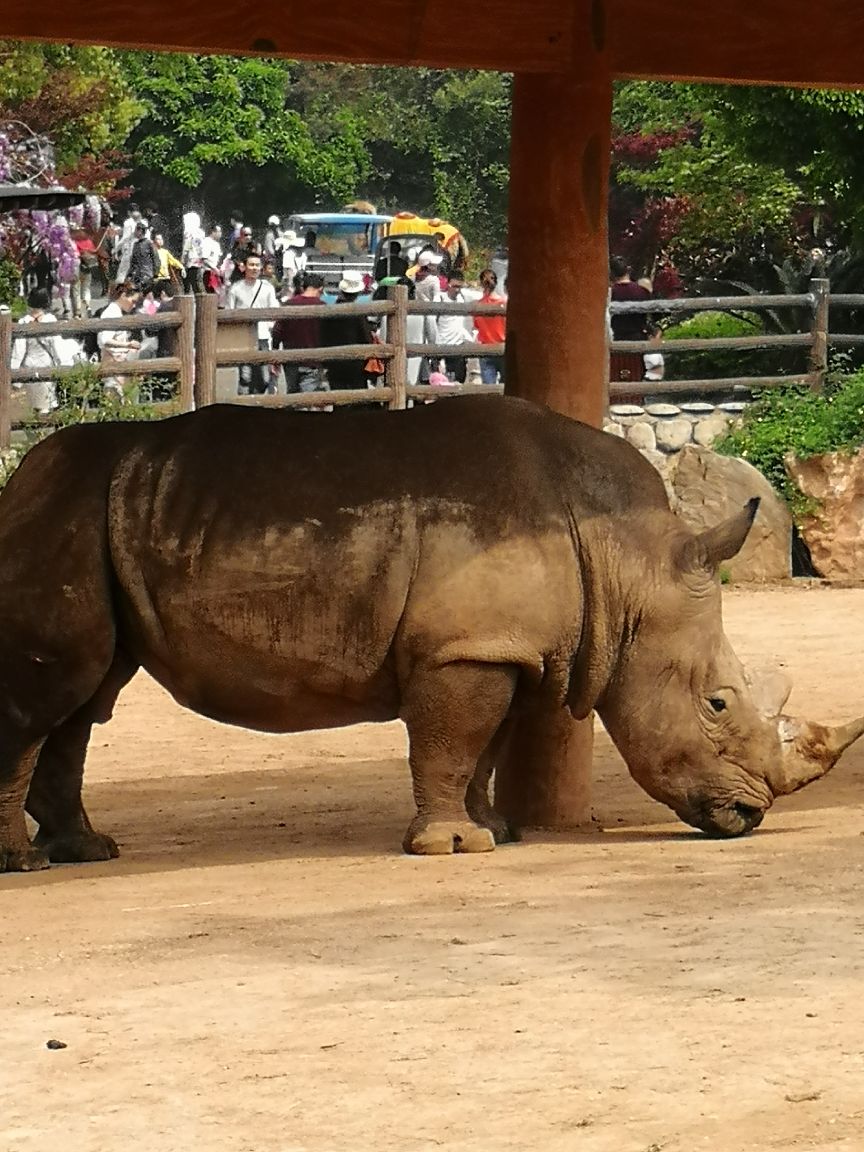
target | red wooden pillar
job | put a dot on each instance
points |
(556, 341)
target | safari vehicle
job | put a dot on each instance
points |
(414, 233)
(339, 242)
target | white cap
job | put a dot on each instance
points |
(273, 220)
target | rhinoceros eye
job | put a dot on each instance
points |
(717, 704)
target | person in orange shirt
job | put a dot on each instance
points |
(491, 329)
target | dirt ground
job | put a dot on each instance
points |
(262, 969)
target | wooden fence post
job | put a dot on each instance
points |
(396, 370)
(206, 319)
(186, 352)
(821, 290)
(5, 380)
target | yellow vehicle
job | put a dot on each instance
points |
(409, 224)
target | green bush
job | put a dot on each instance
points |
(719, 364)
(10, 278)
(794, 419)
(83, 400)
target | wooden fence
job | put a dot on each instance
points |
(199, 350)
(816, 339)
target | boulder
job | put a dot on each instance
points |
(672, 435)
(709, 487)
(665, 465)
(642, 436)
(613, 429)
(710, 429)
(835, 532)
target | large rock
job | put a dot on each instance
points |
(672, 435)
(709, 487)
(835, 532)
(710, 429)
(642, 436)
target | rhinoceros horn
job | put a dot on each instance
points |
(810, 751)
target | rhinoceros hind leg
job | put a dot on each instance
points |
(65, 833)
(443, 837)
(17, 854)
(477, 799)
(452, 714)
(77, 847)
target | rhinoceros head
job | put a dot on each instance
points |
(696, 730)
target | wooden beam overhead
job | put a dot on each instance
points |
(814, 44)
(506, 35)
(819, 44)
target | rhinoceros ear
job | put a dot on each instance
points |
(722, 542)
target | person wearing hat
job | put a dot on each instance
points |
(429, 284)
(294, 259)
(271, 238)
(338, 330)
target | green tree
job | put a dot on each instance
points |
(436, 141)
(206, 114)
(78, 97)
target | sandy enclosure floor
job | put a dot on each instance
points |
(262, 969)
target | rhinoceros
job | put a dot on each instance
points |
(455, 566)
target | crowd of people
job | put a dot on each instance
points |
(269, 271)
(264, 271)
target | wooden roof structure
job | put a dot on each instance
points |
(565, 55)
(753, 41)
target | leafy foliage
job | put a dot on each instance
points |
(712, 326)
(76, 95)
(796, 420)
(203, 112)
(83, 400)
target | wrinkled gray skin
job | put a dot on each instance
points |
(455, 565)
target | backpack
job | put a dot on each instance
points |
(90, 341)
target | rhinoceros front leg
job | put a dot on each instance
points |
(452, 713)
(17, 854)
(54, 800)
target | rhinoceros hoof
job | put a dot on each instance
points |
(22, 859)
(502, 830)
(77, 847)
(443, 837)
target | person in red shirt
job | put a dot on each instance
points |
(302, 333)
(491, 329)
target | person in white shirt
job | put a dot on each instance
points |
(124, 245)
(118, 346)
(294, 259)
(211, 259)
(455, 330)
(654, 364)
(39, 354)
(273, 237)
(192, 253)
(253, 292)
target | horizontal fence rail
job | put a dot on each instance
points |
(204, 339)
